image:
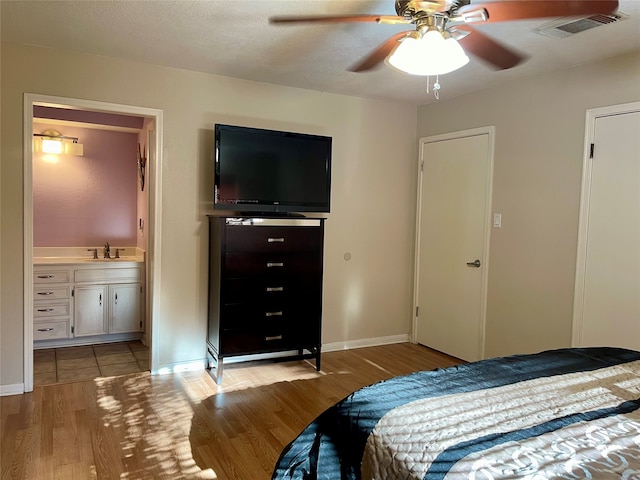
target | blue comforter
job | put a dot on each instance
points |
(432, 424)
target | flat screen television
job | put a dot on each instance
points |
(270, 171)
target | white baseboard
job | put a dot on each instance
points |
(189, 366)
(365, 342)
(15, 389)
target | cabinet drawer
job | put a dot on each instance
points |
(57, 276)
(273, 265)
(51, 293)
(51, 330)
(51, 310)
(245, 238)
(95, 275)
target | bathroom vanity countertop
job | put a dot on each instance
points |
(86, 260)
(84, 255)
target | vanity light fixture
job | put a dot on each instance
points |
(52, 141)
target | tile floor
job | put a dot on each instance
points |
(73, 364)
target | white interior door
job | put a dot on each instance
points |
(607, 306)
(454, 202)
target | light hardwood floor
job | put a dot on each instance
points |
(184, 426)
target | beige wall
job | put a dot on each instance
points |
(373, 184)
(537, 178)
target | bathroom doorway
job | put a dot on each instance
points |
(150, 221)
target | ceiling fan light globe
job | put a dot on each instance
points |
(430, 55)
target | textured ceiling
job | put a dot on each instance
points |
(234, 38)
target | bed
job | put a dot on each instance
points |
(567, 413)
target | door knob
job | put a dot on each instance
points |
(476, 263)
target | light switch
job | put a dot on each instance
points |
(497, 220)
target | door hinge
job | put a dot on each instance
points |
(140, 323)
(72, 329)
(591, 150)
(73, 292)
(422, 166)
(417, 311)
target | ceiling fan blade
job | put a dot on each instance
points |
(519, 10)
(487, 49)
(340, 19)
(379, 54)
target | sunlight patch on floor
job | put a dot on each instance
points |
(374, 364)
(154, 424)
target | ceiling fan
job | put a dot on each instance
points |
(452, 19)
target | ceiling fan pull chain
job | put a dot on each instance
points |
(436, 88)
(427, 84)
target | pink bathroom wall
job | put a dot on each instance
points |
(89, 200)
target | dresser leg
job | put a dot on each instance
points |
(219, 371)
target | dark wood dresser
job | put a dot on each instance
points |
(265, 288)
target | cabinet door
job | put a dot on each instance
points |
(90, 307)
(124, 300)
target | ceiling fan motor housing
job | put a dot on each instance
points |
(413, 8)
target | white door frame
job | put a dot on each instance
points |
(585, 197)
(490, 131)
(155, 214)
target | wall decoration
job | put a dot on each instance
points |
(142, 165)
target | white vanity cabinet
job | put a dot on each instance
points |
(109, 307)
(87, 302)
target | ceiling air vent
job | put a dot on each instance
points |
(565, 28)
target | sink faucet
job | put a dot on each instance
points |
(95, 252)
(107, 250)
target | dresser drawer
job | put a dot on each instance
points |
(236, 341)
(253, 316)
(51, 310)
(273, 334)
(51, 293)
(54, 276)
(51, 330)
(244, 238)
(273, 265)
(268, 319)
(273, 291)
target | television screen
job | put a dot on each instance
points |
(270, 171)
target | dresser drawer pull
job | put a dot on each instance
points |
(275, 264)
(275, 337)
(45, 329)
(46, 293)
(273, 314)
(46, 276)
(46, 309)
(275, 289)
(275, 240)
